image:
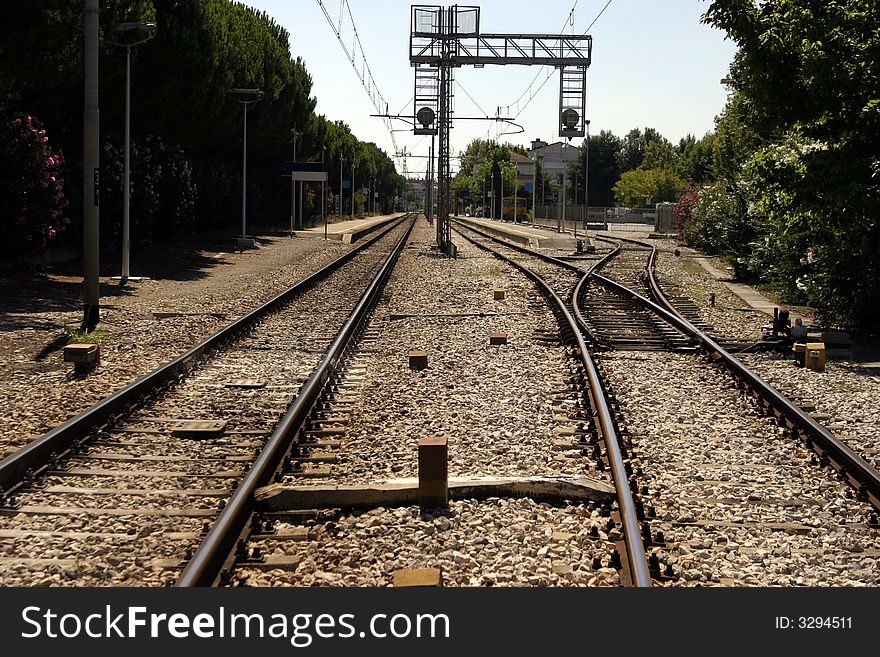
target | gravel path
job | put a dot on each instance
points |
(846, 397)
(500, 406)
(703, 450)
(497, 542)
(730, 317)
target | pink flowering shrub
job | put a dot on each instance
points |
(684, 208)
(32, 202)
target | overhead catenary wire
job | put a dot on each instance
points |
(549, 71)
(364, 72)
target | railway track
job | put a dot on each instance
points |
(718, 479)
(363, 543)
(757, 492)
(157, 478)
(601, 429)
(616, 321)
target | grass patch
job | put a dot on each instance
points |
(75, 336)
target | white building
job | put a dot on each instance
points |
(554, 157)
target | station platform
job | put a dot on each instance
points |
(347, 231)
(531, 236)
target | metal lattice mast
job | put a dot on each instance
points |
(443, 161)
(443, 38)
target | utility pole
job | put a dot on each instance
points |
(431, 183)
(353, 166)
(534, 188)
(242, 96)
(587, 179)
(515, 197)
(91, 289)
(299, 213)
(129, 28)
(293, 185)
(492, 196)
(560, 218)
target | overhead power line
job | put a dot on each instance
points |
(359, 63)
(548, 72)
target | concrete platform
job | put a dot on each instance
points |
(347, 231)
(524, 234)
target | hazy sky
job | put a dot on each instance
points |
(653, 64)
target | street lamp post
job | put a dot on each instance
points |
(294, 133)
(353, 167)
(587, 178)
(534, 189)
(560, 221)
(248, 97)
(541, 161)
(128, 28)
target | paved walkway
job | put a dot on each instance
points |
(745, 292)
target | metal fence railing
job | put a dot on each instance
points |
(597, 218)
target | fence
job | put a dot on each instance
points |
(598, 218)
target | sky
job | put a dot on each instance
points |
(653, 65)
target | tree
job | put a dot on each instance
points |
(805, 82)
(645, 187)
(183, 121)
(635, 146)
(694, 158)
(604, 170)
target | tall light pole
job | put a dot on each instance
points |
(323, 195)
(129, 28)
(294, 133)
(353, 167)
(341, 161)
(247, 97)
(91, 287)
(541, 160)
(492, 192)
(560, 218)
(587, 178)
(534, 189)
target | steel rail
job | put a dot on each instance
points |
(206, 564)
(579, 291)
(38, 452)
(867, 477)
(635, 549)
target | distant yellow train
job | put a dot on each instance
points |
(520, 209)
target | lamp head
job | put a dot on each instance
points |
(135, 26)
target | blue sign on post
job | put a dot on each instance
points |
(346, 184)
(529, 187)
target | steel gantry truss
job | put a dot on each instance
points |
(443, 38)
